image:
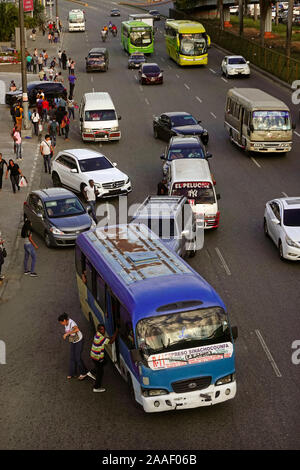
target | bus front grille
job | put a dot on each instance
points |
(190, 385)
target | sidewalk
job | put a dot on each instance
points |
(11, 205)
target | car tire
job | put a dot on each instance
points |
(56, 180)
(227, 75)
(191, 253)
(47, 240)
(266, 231)
(280, 250)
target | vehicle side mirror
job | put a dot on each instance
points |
(275, 221)
(294, 126)
(136, 355)
(40, 215)
(119, 118)
(234, 330)
(185, 234)
(208, 155)
(218, 197)
(248, 62)
(73, 170)
(199, 122)
(162, 157)
(115, 164)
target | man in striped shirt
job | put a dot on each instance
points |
(97, 355)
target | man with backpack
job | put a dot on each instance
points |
(52, 128)
(47, 151)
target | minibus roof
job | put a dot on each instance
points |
(143, 273)
(186, 26)
(98, 101)
(256, 99)
(185, 170)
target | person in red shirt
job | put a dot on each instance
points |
(45, 109)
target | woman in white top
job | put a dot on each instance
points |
(75, 336)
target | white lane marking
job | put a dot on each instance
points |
(213, 115)
(147, 101)
(256, 163)
(92, 78)
(141, 88)
(268, 353)
(297, 133)
(224, 264)
(199, 99)
(224, 79)
(169, 66)
(186, 86)
(285, 195)
(93, 90)
(177, 76)
(213, 71)
(162, 59)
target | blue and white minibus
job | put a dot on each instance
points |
(175, 346)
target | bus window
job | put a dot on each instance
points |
(100, 296)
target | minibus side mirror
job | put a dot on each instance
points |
(199, 122)
(162, 157)
(119, 118)
(294, 126)
(73, 170)
(248, 62)
(135, 355)
(275, 221)
(115, 164)
(234, 330)
(208, 155)
(218, 197)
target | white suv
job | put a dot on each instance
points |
(75, 167)
(235, 65)
(282, 225)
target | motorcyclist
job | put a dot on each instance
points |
(110, 25)
(104, 33)
(114, 30)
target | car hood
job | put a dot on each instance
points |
(105, 176)
(293, 233)
(137, 61)
(76, 222)
(187, 130)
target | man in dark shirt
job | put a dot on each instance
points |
(162, 189)
(15, 174)
(2, 163)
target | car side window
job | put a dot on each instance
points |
(33, 202)
(39, 207)
(275, 209)
(61, 160)
(71, 163)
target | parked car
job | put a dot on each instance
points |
(235, 65)
(57, 215)
(136, 60)
(115, 12)
(172, 219)
(155, 14)
(167, 125)
(51, 90)
(74, 168)
(282, 225)
(183, 147)
(97, 59)
(150, 74)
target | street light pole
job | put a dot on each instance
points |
(25, 120)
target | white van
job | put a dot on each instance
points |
(98, 118)
(192, 179)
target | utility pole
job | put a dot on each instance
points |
(241, 17)
(289, 27)
(57, 15)
(221, 12)
(25, 120)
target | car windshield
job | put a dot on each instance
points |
(151, 69)
(94, 164)
(291, 217)
(183, 120)
(106, 115)
(96, 56)
(271, 120)
(195, 192)
(137, 57)
(140, 37)
(192, 44)
(64, 207)
(177, 331)
(189, 152)
(236, 60)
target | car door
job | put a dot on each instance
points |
(61, 167)
(71, 172)
(36, 213)
(272, 225)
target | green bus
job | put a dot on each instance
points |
(137, 36)
(186, 42)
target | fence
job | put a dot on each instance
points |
(287, 69)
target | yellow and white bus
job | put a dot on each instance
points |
(187, 42)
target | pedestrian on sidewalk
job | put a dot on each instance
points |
(50, 37)
(52, 129)
(28, 62)
(3, 255)
(41, 74)
(71, 79)
(29, 248)
(40, 62)
(15, 174)
(75, 337)
(18, 143)
(35, 119)
(45, 57)
(46, 150)
(71, 107)
(97, 355)
(90, 194)
(72, 67)
(69, 65)
(65, 124)
(60, 78)
(19, 115)
(33, 34)
(64, 60)
(2, 163)
(35, 63)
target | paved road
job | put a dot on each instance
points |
(40, 408)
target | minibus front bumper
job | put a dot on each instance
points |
(271, 147)
(212, 395)
(101, 135)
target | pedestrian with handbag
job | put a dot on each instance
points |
(15, 174)
(75, 338)
(47, 151)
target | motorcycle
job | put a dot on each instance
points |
(114, 32)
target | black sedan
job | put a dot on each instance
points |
(136, 60)
(167, 125)
(115, 12)
(57, 215)
(150, 74)
(51, 90)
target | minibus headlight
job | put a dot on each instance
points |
(226, 380)
(114, 129)
(153, 392)
(87, 130)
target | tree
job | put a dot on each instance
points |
(9, 18)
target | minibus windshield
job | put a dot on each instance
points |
(271, 120)
(196, 193)
(95, 115)
(182, 330)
